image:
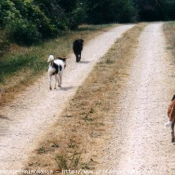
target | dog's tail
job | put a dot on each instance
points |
(51, 58)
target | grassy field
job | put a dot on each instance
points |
(77, 139)
(21, 66)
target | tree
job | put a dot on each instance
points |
(107, 11)
(169, 6)
(151, 10)
(8, 12)
(75, 12)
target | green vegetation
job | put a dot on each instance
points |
(27, 22)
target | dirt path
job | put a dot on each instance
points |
(24, 121)
(139, 144)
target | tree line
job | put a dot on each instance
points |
(30, 21)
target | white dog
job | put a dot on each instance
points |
(56, 68)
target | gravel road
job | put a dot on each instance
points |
(23, 122)
(140, 145)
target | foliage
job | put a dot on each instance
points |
(111, 11)
(169, 9)
(24, 32)
(155, 10)
(48, 18)
(4, 42)
(8, 12)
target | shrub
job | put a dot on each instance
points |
(24, 33)
(120, 11)
(4, 42)
(8, 12)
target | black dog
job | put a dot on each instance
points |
(77, 48)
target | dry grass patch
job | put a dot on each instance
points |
(77, 139)
(169, 30)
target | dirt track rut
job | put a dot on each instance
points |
(140, 145)
(27, 118)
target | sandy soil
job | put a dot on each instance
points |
(23, 122)
(139, 144)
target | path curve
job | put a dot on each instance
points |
(140, 145)
(25, 120)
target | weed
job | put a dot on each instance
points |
(72, 144)
(68, 116)
(61, 162)
(85, 166)
(55, 145)
(99, 103)
(91, 110)
(41, 150)
(75, 159)
(109, 61)
(87, 118)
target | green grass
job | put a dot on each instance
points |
(13, 64)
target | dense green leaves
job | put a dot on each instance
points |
(24, 32)
(106, 11)
(30, 21)
(151, 10)
(169, 9)
(8, 12)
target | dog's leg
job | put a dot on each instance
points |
(77, 59)
(56, 80)
(50, 78)
(172, 133)
(60, 79)
(80, 55)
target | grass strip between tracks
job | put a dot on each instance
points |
(77, 139)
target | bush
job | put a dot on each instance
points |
(120, 11)
(4, 42)
(76, 17)
(8, 12)
(24, 33)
